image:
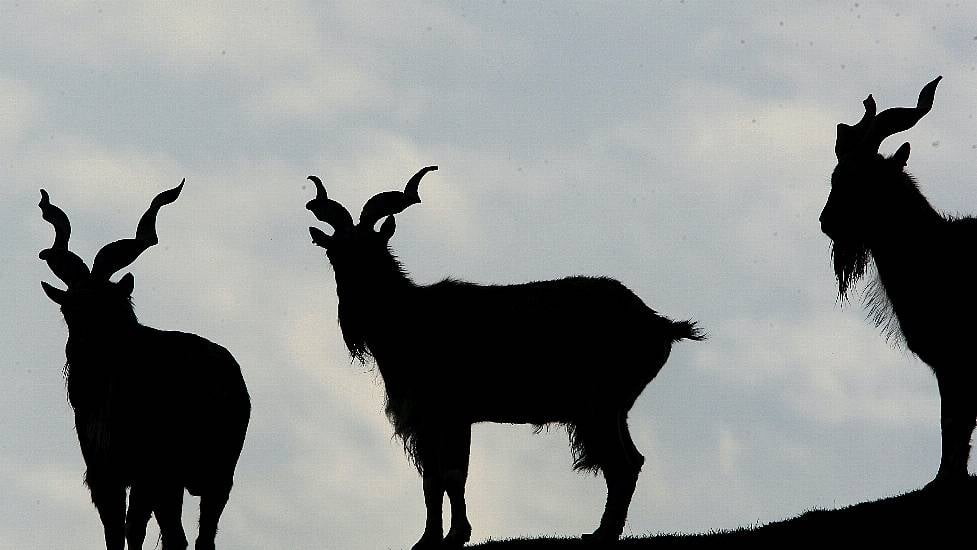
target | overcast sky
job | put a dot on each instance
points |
(683, 148)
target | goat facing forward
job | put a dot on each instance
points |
(925, 290)
(576, 351)
(156, 411)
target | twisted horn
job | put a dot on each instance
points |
(898, 119)
(119, 254)
(389, 203)
(873, 128)
(850, 136)
(66, 265)
(328, 210)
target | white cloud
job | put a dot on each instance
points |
(318, 98)
(833, 368)
(684, 152)
(186, 42)
(20, 108)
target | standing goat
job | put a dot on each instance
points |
(576, 351)
(156, 412)
(926, 286)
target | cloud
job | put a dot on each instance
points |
(184, 42)
(20, 108)
(685, 152)
(330, 93)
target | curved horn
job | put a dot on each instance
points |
(899, 119)
(66, 265)
(119, 254)
(849, 137)
(328, 210)
(868, 134)
(389, 203)
(56, 217)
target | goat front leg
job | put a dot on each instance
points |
(428, 456)
(212, 504)
(433, 499)
(958, 416)
(109, 497)
(457, 450)
(168, 506)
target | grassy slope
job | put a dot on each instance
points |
(931, 517)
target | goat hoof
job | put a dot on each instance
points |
(457, 537)
(946, 483)
(600, 536)
(427, 542)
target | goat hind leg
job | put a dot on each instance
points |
(636, 459)
(620, 463)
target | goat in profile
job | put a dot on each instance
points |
(156, 411)
(925, 291)
(576, 351)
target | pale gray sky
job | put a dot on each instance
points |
(681, 147)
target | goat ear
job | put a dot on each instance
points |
(126, 283)
(319, 238)
(387, 228)
(902, 155)
(55, 294)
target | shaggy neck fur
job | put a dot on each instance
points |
(368, 296)
(372, 296)
(896, 245)
(89, 342)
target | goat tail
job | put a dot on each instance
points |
(686, 330)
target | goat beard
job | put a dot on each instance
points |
(850, 260)
(352, 325)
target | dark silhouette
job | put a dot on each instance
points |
(576, 351)
(926, 288)
(156, 411)
(921, 518)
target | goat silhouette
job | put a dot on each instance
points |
(924, 291)
(156, 411)
(576, 351)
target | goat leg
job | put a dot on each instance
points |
(433, 500)
(169, 509)
(620, 463)
(109, 498)
(211, 507)
(137, 516)
(957, 419)
(456, 449)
